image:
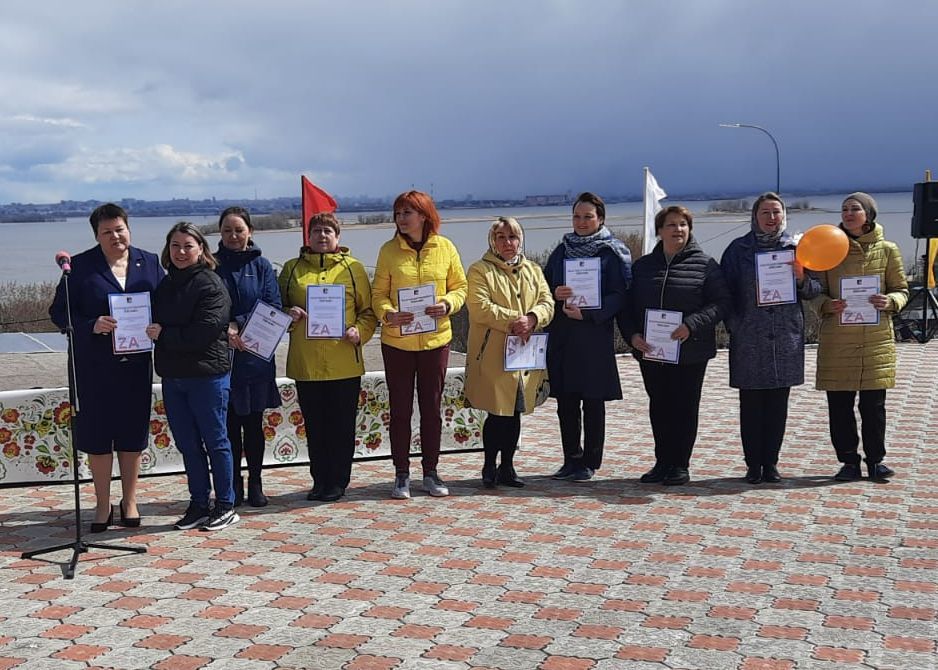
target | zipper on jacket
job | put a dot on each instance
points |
(485, 341)
(664, 282)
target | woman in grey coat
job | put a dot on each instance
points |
(766, 336)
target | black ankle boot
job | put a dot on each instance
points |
(256, 497)
(488, 476)
(238, 484)
(849, 472)
(754, 474)
(879, 472)
(508, 476)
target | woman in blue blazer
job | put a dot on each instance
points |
(114, 390)
(249, 278)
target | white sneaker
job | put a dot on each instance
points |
(433, 485)
(401, 490)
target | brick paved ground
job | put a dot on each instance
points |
(610, 574)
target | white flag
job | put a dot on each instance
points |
(653, 193)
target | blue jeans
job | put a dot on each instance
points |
(197, 411)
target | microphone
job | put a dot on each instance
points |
(64, 261)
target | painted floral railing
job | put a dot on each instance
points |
(34, 430)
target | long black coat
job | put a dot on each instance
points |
(193, 307)
(114, 392)
(691, 283)
(581, 355)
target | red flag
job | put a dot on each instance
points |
(315, 201)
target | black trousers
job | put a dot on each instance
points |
(500, 434)
(843, 424)
(592, 419)
(330, 409)
(763, 414)
(673, 408)
(247, 438)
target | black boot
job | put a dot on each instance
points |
(849, 472)
(238, 484)
(256, 497)
(754, 474)
(508, 476)
(488, 476)
(879, 472)
(316, 492)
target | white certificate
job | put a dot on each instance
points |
(325, 311)
(530, 355)
(659, 324)
(264, 329)
(583, 275)
(775, 278)
(416, 299)
(856, 291)
(132, 313)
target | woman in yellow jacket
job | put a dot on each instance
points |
(854, 358)
(328, 369)
(416, 345)
(508, 295)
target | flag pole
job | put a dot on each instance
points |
(644, 207)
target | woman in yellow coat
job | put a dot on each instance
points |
(860, 358)
(328, 370)
(508, 295)
(416, 263)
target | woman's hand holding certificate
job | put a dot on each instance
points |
(775, 278)
(583, 276)
(263, 330)
(325, 311)
(130, 314)
(664, 332)
(420, 302)
(861, 296)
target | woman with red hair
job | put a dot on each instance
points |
(415, 346)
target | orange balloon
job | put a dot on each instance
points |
(822, 247)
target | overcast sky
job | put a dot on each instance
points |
(494, 98)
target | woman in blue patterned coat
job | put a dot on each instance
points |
(766, 340)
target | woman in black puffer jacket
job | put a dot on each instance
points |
(191, 308)
(678, 276)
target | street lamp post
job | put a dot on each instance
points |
(774, 143)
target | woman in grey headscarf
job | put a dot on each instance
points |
(766, 336)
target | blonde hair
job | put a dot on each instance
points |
(513, 226)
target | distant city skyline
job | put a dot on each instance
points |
(496, 99)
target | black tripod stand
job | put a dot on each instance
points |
(79, 546)
(919, 319)
(925, 327)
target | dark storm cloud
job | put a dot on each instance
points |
(490, 98)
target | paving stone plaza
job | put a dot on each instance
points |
(718, 574)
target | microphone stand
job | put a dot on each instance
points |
(78, 546)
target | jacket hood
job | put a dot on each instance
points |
(227, 256)
(490, 257)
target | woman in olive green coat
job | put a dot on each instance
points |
(507, 296)
(855, 358)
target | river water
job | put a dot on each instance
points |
(29, 248)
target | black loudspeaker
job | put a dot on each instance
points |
(925, 210)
